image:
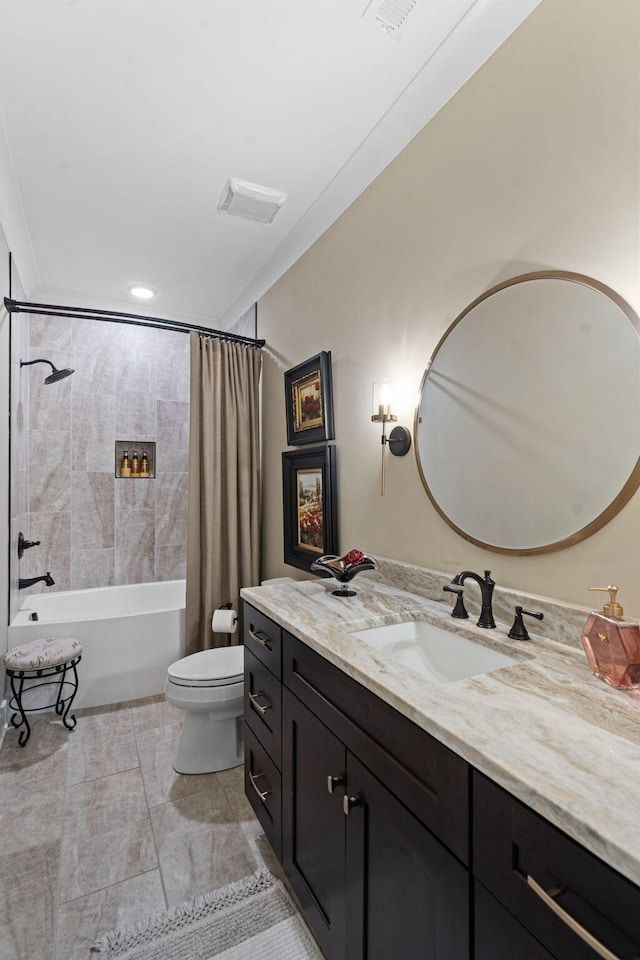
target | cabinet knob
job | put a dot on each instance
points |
(333, 782)
(348, 803)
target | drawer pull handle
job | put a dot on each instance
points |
(348, 803)
(261, 638)
(253, 697)
(547, 898)
(263, 794)
(333, 782)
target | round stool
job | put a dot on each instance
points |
(50, 662)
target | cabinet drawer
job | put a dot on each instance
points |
(263, 787)
(263, 638)
(549, 882)
(498, 935)
(431, 780)
(263, 706)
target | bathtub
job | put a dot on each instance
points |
(129, 636)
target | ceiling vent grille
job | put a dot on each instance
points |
(389, 14)
(242, 199)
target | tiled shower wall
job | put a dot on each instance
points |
(130, 383)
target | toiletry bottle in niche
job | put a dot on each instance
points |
(135, 465)
(144, 466)
(612, 644)
(125, 465)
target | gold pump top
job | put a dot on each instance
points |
(612, 608)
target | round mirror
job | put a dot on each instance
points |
(527, 431)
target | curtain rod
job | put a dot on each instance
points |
(136, 319)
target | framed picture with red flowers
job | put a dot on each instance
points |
(309, 400)
(310, 508)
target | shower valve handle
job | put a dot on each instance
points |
(25, 544)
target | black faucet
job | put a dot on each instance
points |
(486, 585)
(29, 582)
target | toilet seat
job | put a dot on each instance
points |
(218, 667)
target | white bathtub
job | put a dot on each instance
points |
(129, 636)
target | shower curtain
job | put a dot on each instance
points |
(224, 484)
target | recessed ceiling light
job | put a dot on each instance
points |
(143, 293)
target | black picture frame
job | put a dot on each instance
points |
(308, 391)
(313, 471)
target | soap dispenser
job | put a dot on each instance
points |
(612, 644)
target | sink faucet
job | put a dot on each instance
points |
(486, 585)
(29, 582)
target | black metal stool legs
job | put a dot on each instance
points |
(60, 702)
(16, 704)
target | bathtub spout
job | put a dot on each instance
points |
(29, 581)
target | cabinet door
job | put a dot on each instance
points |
(313, 844)
(407, 895)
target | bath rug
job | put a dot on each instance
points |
(254, 917)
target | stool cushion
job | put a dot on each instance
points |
(40, 654)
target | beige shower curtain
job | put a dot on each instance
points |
(224, 484)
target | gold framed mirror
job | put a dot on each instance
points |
(527, 429)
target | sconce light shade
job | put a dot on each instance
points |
(382, 400)
(399, 440)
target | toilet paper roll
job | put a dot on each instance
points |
(224, 621)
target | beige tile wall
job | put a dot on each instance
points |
(130, 383)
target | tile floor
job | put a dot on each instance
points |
(97, 831)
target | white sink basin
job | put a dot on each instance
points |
(434, 653)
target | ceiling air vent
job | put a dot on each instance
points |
(248, 200)
(389, 14)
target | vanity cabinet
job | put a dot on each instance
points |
(394, 845)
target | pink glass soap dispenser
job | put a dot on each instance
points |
(612, 644)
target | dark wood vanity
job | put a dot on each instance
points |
(395, 846)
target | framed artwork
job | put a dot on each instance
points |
(310, 508)
(309, 400)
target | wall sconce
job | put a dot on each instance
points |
(399, 440)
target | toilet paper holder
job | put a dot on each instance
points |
(226, 624)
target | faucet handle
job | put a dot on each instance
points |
(24, 544)
(459, 612)
(518, 630)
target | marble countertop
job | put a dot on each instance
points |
(545, 729)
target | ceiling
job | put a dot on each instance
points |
(123, 120)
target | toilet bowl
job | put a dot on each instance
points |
(209, 687)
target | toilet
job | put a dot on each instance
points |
(209, 687)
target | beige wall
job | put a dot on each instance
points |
(535, 164)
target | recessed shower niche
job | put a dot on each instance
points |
(135, 459)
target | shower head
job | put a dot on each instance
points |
(58, 375)
(55, 374)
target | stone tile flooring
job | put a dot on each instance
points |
(97, 831)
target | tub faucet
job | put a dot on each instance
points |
(29, 582)
(486, 585)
